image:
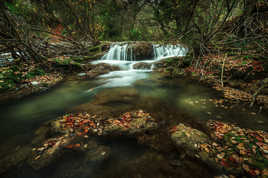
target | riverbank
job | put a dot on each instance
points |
(238, 80)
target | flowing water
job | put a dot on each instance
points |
(170, 101)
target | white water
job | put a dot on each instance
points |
(122, 56)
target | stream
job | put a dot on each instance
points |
(170, 101)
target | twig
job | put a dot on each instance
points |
(222, 70)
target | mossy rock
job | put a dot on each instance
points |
(143, 50)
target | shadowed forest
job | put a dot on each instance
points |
(133, 88)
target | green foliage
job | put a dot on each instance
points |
(9, 78)
(12, 75)
(135, 34)
(35, 72)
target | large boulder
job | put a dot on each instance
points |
(128, 124)
(235, 150)
(143, 50)
(191, 141)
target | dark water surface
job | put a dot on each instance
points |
(169, 101)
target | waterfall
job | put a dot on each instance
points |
(124, 52)
(166, 51)
(132, 69)
(119, 53)
(123, 55)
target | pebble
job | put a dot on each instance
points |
(103, 153)
(86, 136)
(209, 113)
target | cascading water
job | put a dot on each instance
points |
(166, 51)
(123, 56)
(119, 53)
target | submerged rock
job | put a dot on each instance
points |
(99, 69)
(73, 132)
(99, 153)
(54, 148)
(123, 95)
(86, 124)
(130, 123)
(142, 65)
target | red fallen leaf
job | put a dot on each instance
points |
(85, 121)
(173, 129)
(86, 131)
(224, 163)
(259, 139)
(69, 124)
(231, 159)
(252, 172)
(87, 127)
(77, 145)
(79, 134)
(69, 146)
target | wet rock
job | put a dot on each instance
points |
(51, 150)
(188, 139)
(172, 61)
(142, 65)
(130, 123)
(99, 69)
(143, 50)
(15, 158)
(73, 131)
